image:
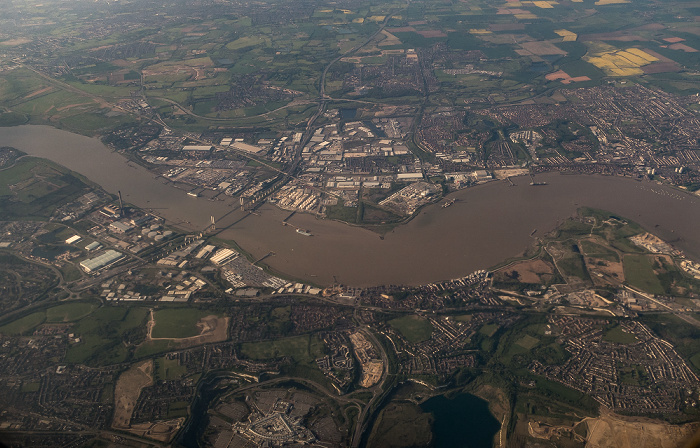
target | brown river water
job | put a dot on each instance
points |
(487, 224)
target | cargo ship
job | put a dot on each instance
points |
(304, 232)
(448, 203)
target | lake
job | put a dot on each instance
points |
(487, 224)
(461, 422)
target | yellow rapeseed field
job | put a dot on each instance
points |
(543, 4)
(567, 35)
(622, 62)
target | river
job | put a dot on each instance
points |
(487, 224)
(89, 157)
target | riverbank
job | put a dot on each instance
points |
(486, 225)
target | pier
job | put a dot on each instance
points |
(284, 221)
(269, 254)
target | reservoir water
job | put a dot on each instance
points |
(461, 422)
(487, 224)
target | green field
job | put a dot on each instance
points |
(342, 213)
(177, 409)
(572, 228)
(595, 250)
(639, 272)
(566, 394)
(527, 342)
(34, 100)
(69, 312)
(12, 119)
(634, 375)
(177, 322)
(33, 188)
(105, 335)
(24, 324)
(168, 369)
(19, 83)
(489, 330)
(303, 349)
(619, 336)
(695, 360)
(31, 387)
(414, 328)
(573, 265)
(70, 273)
(245, 42)
(150, 348)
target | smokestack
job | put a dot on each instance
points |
(121, 204)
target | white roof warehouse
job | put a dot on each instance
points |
(106, 259)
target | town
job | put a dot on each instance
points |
(138, 319)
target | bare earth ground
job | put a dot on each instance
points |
(502, 174)
(531, 271)
(127, 391)
(39, 92)
(610, 269)
(14, 42)
(162, 431)
(71, 106)
(615, 431)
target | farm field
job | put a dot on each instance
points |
(639, 271)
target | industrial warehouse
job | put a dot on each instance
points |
(106, 259)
